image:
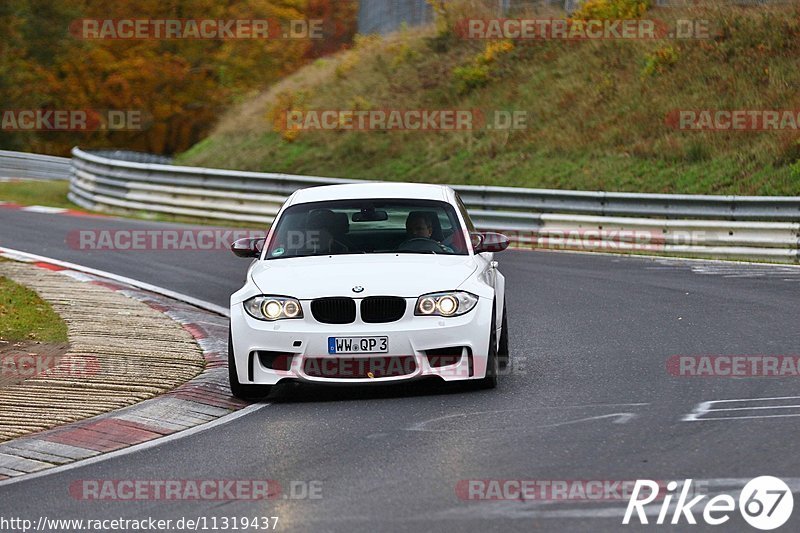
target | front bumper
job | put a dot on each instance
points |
(306, 341)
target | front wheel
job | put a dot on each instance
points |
(243, 392)
(492, 363)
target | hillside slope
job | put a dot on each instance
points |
(597, 110)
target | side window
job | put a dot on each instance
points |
(463, 210)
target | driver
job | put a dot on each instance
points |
(419, 226)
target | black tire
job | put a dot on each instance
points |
(492, 365)
(503, 352)
(243, 392)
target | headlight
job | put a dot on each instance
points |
(452, 303)
(273, 308)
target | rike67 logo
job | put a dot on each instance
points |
(765, 503)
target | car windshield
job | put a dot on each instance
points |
(367, 227)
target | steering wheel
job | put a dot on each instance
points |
(420, 244)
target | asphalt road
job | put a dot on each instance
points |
(589, 398)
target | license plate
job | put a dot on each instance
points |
(337, 345)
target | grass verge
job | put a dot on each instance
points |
(26, 317)
(37, 192)
(54, 194)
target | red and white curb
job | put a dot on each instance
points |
(198, 402)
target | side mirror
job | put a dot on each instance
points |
(248, 247)
(489, 242)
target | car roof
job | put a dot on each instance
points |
(421, 191)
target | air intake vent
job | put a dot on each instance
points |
(444, 356)
(275, 360)
(377, 309)
(336, 310)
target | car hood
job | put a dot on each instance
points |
(406, 275)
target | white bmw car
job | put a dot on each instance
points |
(369, 283)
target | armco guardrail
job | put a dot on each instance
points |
(33, 166)
(755, 228)
(135, 157)
(99, 182)
(670, 206)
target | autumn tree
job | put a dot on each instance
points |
(181, 85)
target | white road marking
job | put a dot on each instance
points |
(621, 418)
(751, 417)
(730, 269)
(79, 276)
(769, 399)
(45, 209)
(704, 408)
(756, 408)
(677, 261)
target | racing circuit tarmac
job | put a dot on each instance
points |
(589, 398)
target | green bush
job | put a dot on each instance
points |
(659, 61)
(612, 9)
(472, 76)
